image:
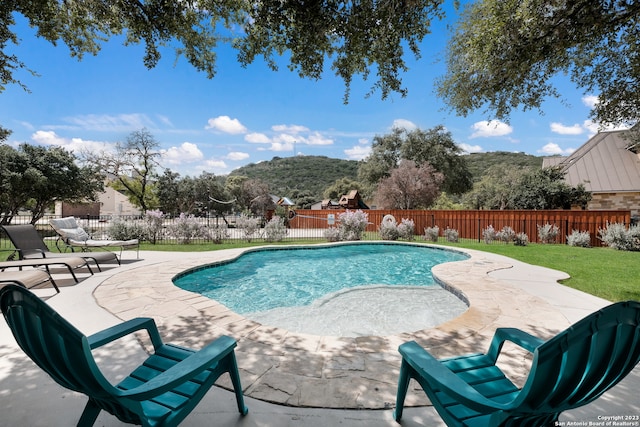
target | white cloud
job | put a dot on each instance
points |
(216, 165)
(358, 152)
(236, 155)
(226, 124)
(591, 126)
(317, 139)
(187, 152)
(467, 148)
(553, 149)
(403, 124)
(285, 138)
(257, 138)
(576, 129)
(289, 128)
(76, 145)
(588, 126)
(279, 146)
(488, 129)
(590, 100)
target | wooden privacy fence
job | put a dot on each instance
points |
(471, 223)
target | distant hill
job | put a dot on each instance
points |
(478, 163)
(317, 173)
(312, 173)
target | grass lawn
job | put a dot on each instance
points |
(606, 273)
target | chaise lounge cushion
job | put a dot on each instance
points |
(77, 234)
(73, 234)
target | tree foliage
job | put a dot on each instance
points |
(409, 186)
(480, 163)
(34, 177)
(435, 147)
(200, 196)
(358, 37)
(504, 55)
(505, 187)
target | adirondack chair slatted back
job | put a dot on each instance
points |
(580, 364)
(59, 349)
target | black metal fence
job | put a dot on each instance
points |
(226, 230)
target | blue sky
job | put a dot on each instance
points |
(247, 115)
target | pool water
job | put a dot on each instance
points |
(271, 278)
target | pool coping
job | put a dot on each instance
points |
(303, 370)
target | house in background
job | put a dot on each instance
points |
(110, 203)
(351, 200)
(609, 168)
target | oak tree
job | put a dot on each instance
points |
(359, 38)
(505, 54)
(34, 177)
(435, 147)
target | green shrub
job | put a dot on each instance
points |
(489, 234)
(451, 235)
(332, 234)
(618, 236)
(275, 230)
(126, 230)
(431, 233)
(186, 228)
(388, 231)
(506, 234)
(352, 224)
(579, 238)
(248, 225)
(219, 232)
(406, 229)
(547, 233)
(521, 239)
(154, 221)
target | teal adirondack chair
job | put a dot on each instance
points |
(161, 392)
(570, 370)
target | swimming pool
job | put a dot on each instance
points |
(283, 284)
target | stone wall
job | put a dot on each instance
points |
(611, 201)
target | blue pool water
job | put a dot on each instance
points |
(266, 279)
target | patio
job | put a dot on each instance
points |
(296, 379)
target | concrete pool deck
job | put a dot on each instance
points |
(290, 378)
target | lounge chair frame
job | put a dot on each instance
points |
(29, 245)
(62, 226)
(27, 279)
(71, 263)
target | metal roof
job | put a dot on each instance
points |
(603, 164)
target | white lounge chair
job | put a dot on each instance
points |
(75, 236)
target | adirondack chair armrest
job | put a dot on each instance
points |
(183, 370)
(516, 336)
(123, 329)
(437, 376)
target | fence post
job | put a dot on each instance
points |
(479, 231)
